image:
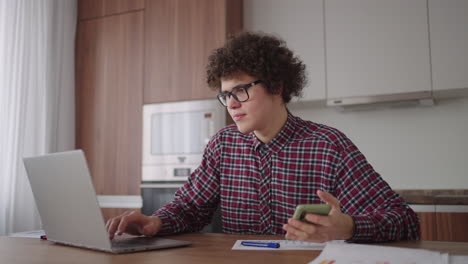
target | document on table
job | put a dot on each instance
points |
(370, 254)
(284, 245)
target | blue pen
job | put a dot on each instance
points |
(260, 244)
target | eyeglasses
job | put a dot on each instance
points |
(239, 93)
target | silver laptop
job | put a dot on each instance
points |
(69, 210)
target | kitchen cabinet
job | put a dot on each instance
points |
(448, 23)
(427, 222)
(179, 37)
(88, 9)
(452, 224)
(300, 24)
(443, 222)
(109, 87)
(376, 47)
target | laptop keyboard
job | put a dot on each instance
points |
(132, 242)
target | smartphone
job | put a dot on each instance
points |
(303, 209)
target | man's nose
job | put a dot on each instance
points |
(232, 102)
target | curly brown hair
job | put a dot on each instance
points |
(261, 55)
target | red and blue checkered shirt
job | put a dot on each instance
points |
(258, 186)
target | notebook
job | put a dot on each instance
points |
(68, 206)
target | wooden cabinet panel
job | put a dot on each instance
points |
(179, 36)
(109, 86)
(88, 9)
(452, 227)
(427, 223)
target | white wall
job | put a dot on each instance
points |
(411, 147)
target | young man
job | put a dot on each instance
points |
(259, 169)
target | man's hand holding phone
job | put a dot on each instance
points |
(320, 222)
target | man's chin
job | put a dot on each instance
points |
(243, 129)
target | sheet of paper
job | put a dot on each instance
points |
(366, 254)
(284, 245)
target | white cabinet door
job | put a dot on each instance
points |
(300, 24)
(448, 23)
(376, 47)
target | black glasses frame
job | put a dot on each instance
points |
(234, 90)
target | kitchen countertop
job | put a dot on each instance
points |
(435, 196)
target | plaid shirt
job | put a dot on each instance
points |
(259, 185)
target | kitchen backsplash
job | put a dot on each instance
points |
(412, 148)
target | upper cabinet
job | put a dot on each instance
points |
(300, 24)
(448, 24)
(376, 47)
(179, 37)
(88, 9)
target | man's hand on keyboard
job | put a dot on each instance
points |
(133, 223)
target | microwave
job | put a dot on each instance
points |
(175, 135)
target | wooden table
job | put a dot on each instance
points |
(207, 248)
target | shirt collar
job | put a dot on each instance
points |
(278, 142)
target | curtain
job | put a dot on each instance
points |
(37, 40)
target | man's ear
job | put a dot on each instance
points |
(280, 91)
